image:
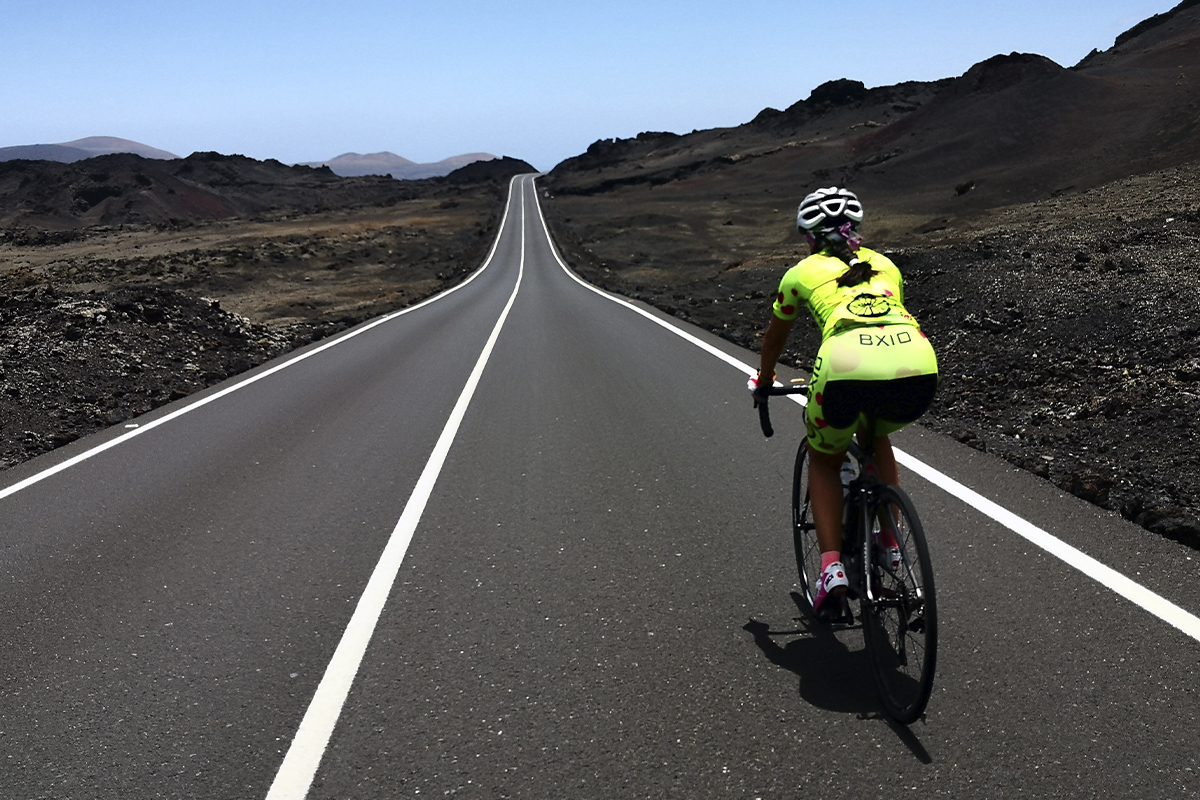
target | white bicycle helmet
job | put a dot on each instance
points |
(827, 209)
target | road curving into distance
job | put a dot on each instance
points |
(525, 540)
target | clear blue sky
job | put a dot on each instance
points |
(306, 80)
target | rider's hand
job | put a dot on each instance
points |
(759, 389)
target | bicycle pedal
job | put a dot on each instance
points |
(832, 610)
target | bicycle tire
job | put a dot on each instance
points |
(804, 531)
(900, 626)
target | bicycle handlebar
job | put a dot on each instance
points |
(764, 415)
(764, 420)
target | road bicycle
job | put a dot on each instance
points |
(897, 604)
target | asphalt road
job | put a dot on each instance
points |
(582, 524)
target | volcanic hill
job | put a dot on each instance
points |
(350, 165)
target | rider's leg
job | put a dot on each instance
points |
(885, 461)
(825, 491)
(889, 473)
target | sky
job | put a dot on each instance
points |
(306, 80)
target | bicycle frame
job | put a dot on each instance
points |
(861, 501)
(864, 497)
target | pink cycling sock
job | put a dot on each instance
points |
(828, 558)
(887, 537)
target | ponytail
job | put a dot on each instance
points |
(859, 272)
(842, 245)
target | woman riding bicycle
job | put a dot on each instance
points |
(874, 360)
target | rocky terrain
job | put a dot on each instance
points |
(100, 323)
(1047, 221)
(126, 189)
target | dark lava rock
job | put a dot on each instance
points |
(74, 362)
(498, 170)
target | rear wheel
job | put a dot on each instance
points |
(900, 624)
(804, 531)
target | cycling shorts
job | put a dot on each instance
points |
(887, 371)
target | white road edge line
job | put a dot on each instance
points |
(299, 766)
(1157, 605)
(163, 420)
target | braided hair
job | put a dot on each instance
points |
(843, 243)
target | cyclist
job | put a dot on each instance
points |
(873, 359)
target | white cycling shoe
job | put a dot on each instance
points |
(833, 585)
(888, 558)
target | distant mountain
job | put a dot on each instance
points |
(78, 150)
(351, 165)
(347, 165)
(44, 152)
(108, 145)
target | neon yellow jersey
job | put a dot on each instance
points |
(813, 282)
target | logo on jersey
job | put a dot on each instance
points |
(884, 340)
(869, 305)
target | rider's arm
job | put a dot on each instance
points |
(773, 342)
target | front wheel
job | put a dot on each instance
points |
(900, 622)
(804, 531)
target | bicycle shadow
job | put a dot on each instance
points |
(832, 677)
